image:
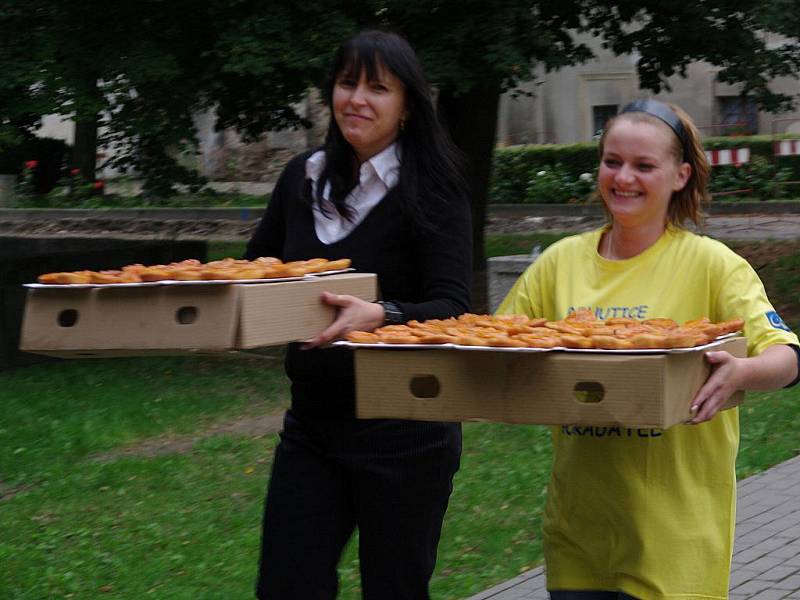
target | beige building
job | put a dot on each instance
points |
(572, 104)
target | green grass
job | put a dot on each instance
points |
(505, 244)
(220, 249)
(56, 414)
(82, 522)
(187, 525)
(496, 244)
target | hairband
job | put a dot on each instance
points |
(661, 111)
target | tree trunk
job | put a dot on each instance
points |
(471, 119)
(84, 149)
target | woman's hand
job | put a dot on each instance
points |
(354, 315)
(725, 379)
(774, 368)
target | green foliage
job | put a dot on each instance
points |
(515, 171)
(763, 178)
(556, 173)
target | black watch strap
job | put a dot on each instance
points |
(393, 315)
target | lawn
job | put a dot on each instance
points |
(112, 486)
(82, 521)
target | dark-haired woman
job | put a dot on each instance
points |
(646, 513)
(386, 192)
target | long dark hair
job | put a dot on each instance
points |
(431, 166)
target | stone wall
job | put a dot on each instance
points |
(224, 156)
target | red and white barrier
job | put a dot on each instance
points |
(730, 156)
(787, 147)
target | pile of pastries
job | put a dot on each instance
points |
(580, 329)
(265, 267)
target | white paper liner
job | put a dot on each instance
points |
(51, 286)
(335, 272)
(716, 342)
(56, 286)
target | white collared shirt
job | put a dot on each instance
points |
(377, 176)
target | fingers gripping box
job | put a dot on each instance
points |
(181, 319)
(549, 388)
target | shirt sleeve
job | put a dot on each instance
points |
(444, 260)
(742, 295)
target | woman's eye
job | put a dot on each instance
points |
(610, 162)
(645, 167)
(347, 83)
(379, 87)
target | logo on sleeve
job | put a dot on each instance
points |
(775, 320)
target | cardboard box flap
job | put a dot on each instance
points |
(292, 311)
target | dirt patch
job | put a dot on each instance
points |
(8, 491)
(256, 426)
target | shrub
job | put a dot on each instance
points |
(557, 185)
(513, 169)
(516, 171)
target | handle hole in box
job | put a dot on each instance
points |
(589, 392)
(424, 386)
(68, 317)
(186, 315)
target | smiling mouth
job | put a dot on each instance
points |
(626, 194)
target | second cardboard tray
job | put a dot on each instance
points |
(548, 388)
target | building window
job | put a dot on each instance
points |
(600, 116)
(737, 115)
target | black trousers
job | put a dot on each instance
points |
(391, 479)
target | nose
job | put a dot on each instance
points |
(359, 96)
(624, 173)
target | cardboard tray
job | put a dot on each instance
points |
(548, 388)
(133, 321)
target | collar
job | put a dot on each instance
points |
(385, 164)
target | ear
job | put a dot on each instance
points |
(682, 176)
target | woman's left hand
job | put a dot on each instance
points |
(354, 315)
(725, 379)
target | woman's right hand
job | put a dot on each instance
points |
(354, 314)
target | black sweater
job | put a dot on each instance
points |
(426, 273)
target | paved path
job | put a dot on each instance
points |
(766, 555)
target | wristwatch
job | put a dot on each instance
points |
(393, 315)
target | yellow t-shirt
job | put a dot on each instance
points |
(645, 511)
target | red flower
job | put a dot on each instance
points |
(31, 164)
(98, 185)
(74, 172)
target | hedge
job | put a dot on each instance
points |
(558, 173)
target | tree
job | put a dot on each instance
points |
(139, 72)
(154, 64)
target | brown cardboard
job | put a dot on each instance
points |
(639, 390)
(172, 319)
